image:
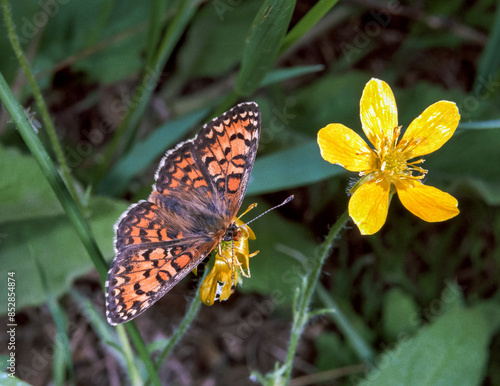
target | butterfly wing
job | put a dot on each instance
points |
(223, 153)
(226, 147)
(152, 256)
(199, 188)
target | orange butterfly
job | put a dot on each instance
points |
(199, 188)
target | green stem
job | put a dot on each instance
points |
(14, 41)
(49, 171)
(157, 12)
(133, 372)
(142, 350)
(69, 205)
(306, 23)
(301, 313)
(364, 351)
(193, 309)
(105, 12)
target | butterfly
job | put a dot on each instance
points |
(199, 187)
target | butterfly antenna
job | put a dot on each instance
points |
(267, 211)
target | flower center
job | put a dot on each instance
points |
(393, 158)
(394, 164)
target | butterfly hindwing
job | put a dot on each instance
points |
(143, 274)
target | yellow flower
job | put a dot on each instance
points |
(231, 260)
(391, 165)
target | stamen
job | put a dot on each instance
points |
(250, 207)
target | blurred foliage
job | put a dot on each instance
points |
(389, 284)
(35, 228)
(452, 349)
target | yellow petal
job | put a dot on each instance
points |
(432, 128)
(342, 146)
(426, 202)
(217, 285)
(378, 111)
(369, 204)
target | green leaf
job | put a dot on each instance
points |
(398, 307)
(307, 22)
(49, 236)
(26, 193)
(57, 247)
(332, 352)
(121, 38)
(263, 43)
(331, 99)
(64, 33)
(282, 74)
(490, 58)
(207, 51)
(452, 350)
(290, 168)
(469, 157)
(6, 380)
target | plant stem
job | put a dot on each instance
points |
(307, 23)
(301, 306)
(69, 205)
(301, 314)
(51, 131)
(363, 350)
(128, 353)
(192, 311)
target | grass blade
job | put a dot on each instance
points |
(126, 132)
(72, 210)
(307, 22)
(51, 131)
(62, 348)
(490, 58)
(282, 74)
(262, 46)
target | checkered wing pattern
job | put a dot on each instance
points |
(199, 188)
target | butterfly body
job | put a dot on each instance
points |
(200, 185)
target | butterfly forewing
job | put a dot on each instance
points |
(227, 149)
(199, 188)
